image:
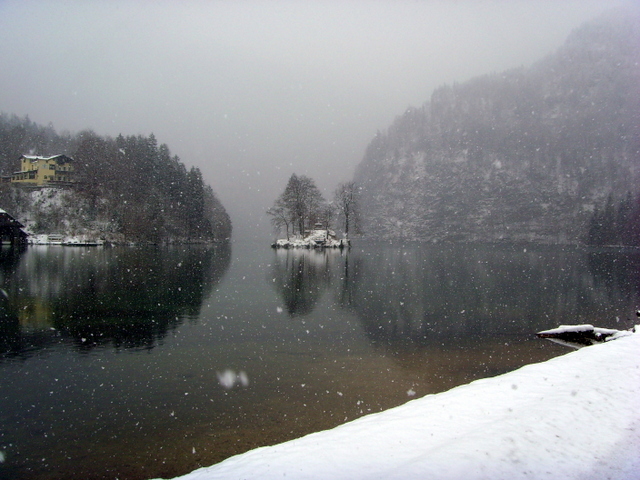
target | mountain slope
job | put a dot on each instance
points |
(522, 155)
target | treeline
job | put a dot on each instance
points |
(616, 223)
(19, 136)
(128, 185)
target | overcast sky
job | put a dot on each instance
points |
(253, 91)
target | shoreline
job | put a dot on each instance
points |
(574, 417)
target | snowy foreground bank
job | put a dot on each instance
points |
(573, 417)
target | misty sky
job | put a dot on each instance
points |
(252, 91)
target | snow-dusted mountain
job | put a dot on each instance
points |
(526, 154)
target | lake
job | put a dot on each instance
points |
(137, 363)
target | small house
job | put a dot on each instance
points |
(44, 171)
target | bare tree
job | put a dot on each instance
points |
(280, 216)
(298, 206)
(346, 201)
(325, 215)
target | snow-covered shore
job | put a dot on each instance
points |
(573, 417)
(66, 240)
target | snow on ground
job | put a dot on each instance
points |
(578, 336)
(316, 238)
(573, 417)
(67, 240)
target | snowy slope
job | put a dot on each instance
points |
(572, 417)
(521, 155)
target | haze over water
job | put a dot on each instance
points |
(253, 91)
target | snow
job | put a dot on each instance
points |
(38, 157)
(67, 240)
(229, 379)
(322, 238)
(580, 328)
(573, 417)
(578, 336)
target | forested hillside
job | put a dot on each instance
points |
(527, 154)
(127, 187)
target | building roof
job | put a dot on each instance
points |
(7, 220)
(63, 157)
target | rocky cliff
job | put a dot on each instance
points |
(521, 155)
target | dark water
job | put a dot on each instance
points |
(141, 363)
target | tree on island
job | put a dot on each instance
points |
(346, 201)
(280, 216)
(299, 207)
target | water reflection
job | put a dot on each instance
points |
(127, 297)
(371, 325)
(474, 291)
(421, 294)
(301, 276)
(615, 273)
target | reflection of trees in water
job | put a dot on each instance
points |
(301, 276)
(126, 297)
(418, 293)
(9, 259)
(9, 322)
(616, 274)
(346, 284)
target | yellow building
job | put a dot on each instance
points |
(40, 171)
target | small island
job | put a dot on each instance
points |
(307, 218)
(319, 237)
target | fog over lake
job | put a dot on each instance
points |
(253, 91)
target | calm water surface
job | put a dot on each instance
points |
(140, 363)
